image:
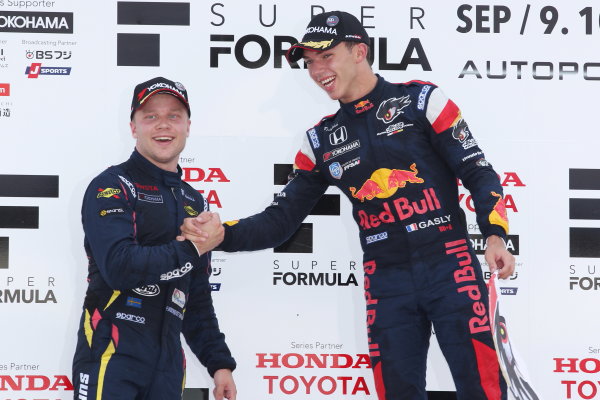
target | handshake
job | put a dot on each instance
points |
(205, 231)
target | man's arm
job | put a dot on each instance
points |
(109, 225)
(277, 222)
(282, 218)
(452, 139)
(201, 329)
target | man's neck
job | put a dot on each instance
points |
(364, 85)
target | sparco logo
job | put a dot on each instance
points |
(131, 317)
(177, 273)
(38, 22)
(129, 185)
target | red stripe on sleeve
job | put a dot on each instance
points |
(303, 162)
(447, 117)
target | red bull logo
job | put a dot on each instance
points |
(363, 106)
(400, 209)
(384, 182)
(466, 281)
(498, 215)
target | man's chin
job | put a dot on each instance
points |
(333, 95)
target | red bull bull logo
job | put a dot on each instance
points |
(363, 106)
(498, 215)
(400, 209)
(384, 182)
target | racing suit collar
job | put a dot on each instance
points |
(361, 106)
(168, 177)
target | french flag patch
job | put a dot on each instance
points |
(411, 227)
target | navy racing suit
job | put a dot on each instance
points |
(397, 153)
(145, 288)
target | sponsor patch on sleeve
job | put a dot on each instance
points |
(111, 211)
(108, 192)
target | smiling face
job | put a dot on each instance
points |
(161, 127)
(340, 71)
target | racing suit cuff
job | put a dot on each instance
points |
(227, 239)
(495, 230)
(193, 246)
(229, 364)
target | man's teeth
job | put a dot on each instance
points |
(163, 139)
(328, 81)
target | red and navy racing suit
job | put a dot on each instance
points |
(145, 288)
(397, 153)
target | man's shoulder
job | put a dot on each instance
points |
(326, 123)
(413, 87)
(414, 83)
(115, 175)
(109, 173)
(414, 93)
(327, 120)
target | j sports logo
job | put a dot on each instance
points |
(36, 22)
(4, 89)
(36, 69)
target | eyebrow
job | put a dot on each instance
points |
(150, 110)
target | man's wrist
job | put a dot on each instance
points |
(195, 247)
(494, 238)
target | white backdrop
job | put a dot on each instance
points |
(534, 119)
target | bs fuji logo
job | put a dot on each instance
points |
(333, 20)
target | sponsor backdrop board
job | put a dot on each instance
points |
(525, 75)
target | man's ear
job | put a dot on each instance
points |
(361, 51)
(133, 129)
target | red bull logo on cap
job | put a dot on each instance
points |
(384, 182)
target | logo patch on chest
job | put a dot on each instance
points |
(190, 211)
(336, 170)
(389, 109)
(150, 198)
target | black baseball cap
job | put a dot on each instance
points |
(326, 31)
(145, 90)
